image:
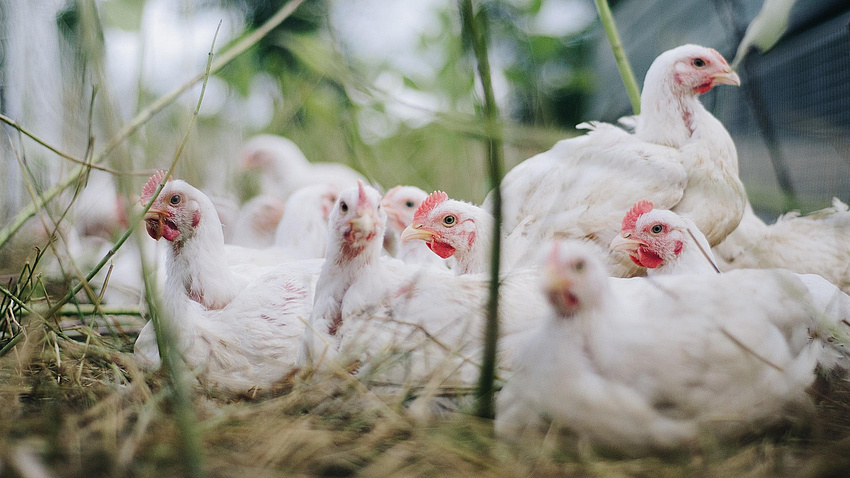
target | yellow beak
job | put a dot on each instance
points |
(625, 243)
(415, 231)
(554, 280)
(363, 223)
(727, 78)
(154, 214)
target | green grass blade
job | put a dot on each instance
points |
(623, 65)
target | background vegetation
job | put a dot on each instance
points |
(75, 402)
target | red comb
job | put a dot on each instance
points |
(362, 199)
(428, 204)
(150, 186)
(640, 208)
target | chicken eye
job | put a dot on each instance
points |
(449, 220)
(343, 207)
(409, 204)
(699, 62)
(175, 200)
(656, 229)
(579, 265)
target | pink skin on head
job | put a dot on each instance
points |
(560, 294)
(160, 224)
(395, 217)
(354, 239)
(712, 63)
(433, 200)
(645, 256)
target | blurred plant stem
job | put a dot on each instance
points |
(90, 309)
(626, 72)
(475, 29)
(184, 408)
(181, 396)
(25, 132)
(225, 58)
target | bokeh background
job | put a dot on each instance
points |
(387, 87)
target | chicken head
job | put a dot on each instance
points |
(357, 219)
(699, 69)
(175, 214)
(448, 227)
(574, 279)
(651, 237)
(400, 204)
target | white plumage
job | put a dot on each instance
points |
(464, 232)
(285, 168)
(99, 209)
(637, 364)
(402, 324)
(401, 203)
(238, 327)
(680, 157)
(818, 243)
(257, 222)
(667, 243)
(303, 231)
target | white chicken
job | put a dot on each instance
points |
(663, 242)
(285, 168)
(401, 203)
(455, 229)
(638, 364)
(818, 243)
(402, 324)
(464, 232)
(666, 243)
(257, 222)
(99, 209)
(237, 330)
(303, 230)
(228, 212)
(680, 157)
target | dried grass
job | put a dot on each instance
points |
(90, 411)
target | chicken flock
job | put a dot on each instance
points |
(732, 324)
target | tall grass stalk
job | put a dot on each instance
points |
(626, 72)
(55, 150)
(224, 59)
(476, 31)
(184, 409)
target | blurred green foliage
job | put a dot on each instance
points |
(330, 106)
(550, 80)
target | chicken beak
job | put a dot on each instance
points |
(624, 243)
(415, 231)
(556, 281)
(154, 223)
(727, 78)
(363, 223)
